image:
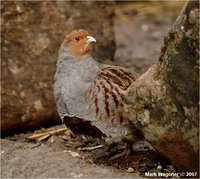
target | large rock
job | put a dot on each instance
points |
(31, 35)
(164, 102)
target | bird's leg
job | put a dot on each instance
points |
(126, 152)
(77, 142)
(106, 152)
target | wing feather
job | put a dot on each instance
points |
(120, 76)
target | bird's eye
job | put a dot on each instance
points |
(77, 38)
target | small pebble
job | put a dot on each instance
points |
(159, 167)
(145, 27)
(73, 154)
(130, 170)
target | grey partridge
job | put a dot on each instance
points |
(89, 95)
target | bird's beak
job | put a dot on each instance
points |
(90, 39)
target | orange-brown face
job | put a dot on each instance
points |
(79, 43)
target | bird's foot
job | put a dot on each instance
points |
(101, 153)
(125, 153)
(110, 152)
(76, 142)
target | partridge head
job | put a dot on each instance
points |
(79, 43)
(90, 95)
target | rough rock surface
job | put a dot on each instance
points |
(31, 35)
(163, 102)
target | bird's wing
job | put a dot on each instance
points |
(119, 76)
(108, 90)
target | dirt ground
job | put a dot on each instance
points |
(28, 160)
(139, 32)
(56, 156)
